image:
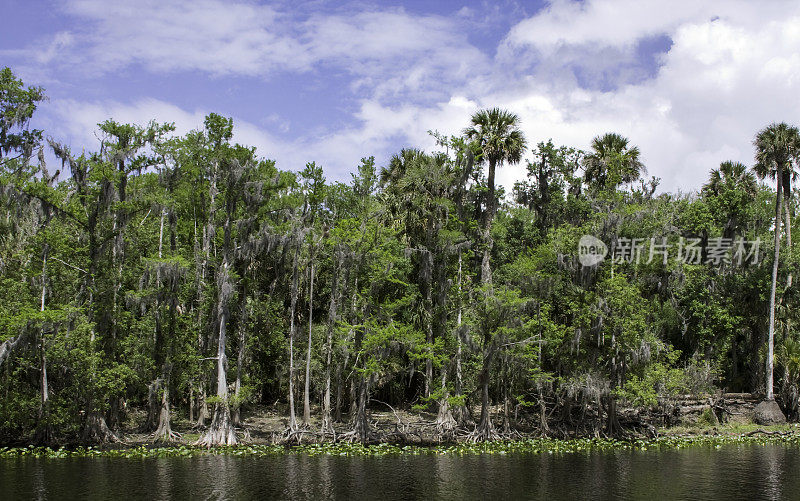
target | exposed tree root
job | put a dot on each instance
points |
(221, 431)
(303, 435)
(357, 436)
(166, 436)
(294, 436)
(164, 431)
(484, 433)
(766, 432)
(445, 421)
(361, 432)
(44, 435)
(327, 426)
(463, 416)
(96, 430)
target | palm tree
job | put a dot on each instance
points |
(734, 186)
(612, 162)
(777, 148)
(499, 139)
(789, 358)
(398, 166)
(790, 174)
(733, 175)
(417, 188)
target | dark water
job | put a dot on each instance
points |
(731, 472)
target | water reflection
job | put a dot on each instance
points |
(731, 472)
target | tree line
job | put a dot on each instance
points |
(188, 275)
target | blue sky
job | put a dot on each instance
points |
(688, 82)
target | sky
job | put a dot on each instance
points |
(689, 82)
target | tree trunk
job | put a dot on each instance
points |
(327, 425)
(161, 231)
(486, 268)
(44, 433)
(191, 401)
(337, 410)
(543, 427)
(613, 427)
(8, 345)
(43, 383)
(459, 411)
(353, 390)
(94, 426)
(426, 275)
(771, 335)
(307, 389)
(293, 309)
(164, 431)
(221, 431)
(506, 383)
(96, 430)
(153, 406)
(444, 418)
(788, 234)
(202, 407)
(361, 424)
(237, 387)
(205, 272)
(154, 389)
(485, 429)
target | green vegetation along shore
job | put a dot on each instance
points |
(163, 283)
(709, 438)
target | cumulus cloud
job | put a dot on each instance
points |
(218, 37)
(731, 69)
(388, 51)
(721, 71)
(75, 124)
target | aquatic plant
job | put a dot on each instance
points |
(526, 446)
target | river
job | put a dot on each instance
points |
(727, 472)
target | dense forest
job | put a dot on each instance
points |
(190, 276)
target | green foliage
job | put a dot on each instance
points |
(708, 418)
(17, 105)
(122, 274)
(532, 446)
(659, 380)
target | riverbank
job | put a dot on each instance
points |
(675, 438)
(686, 420)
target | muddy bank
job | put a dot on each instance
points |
(726, 414)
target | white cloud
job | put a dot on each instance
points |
(76, 121)
(732, 67)
(389, 51)
(620, 23)
(75, 124)
(615, 23)
(218, 37)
